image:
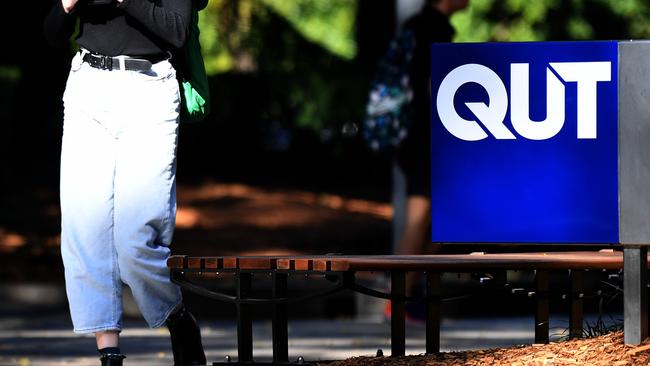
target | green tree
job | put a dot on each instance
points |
(300, 51)
(542, 20)
(230, 29)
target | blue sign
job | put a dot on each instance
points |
(524, 142)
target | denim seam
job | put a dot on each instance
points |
(167, 218)
(115, 266)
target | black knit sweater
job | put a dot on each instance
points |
(132, 28)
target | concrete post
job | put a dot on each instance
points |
(635, 286)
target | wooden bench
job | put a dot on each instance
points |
(341, 270)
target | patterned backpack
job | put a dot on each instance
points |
(388, 112)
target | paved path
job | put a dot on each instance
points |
(47, 340)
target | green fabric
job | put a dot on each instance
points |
(195, 88)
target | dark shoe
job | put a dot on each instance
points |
(186, 339)
(112, 359)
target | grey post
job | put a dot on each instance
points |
(635, 294)
(634, 182)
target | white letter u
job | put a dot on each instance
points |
(520, 104)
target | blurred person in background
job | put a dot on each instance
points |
(118, 167)
(431, 24)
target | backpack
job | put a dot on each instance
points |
(193, 80)
(388, 111)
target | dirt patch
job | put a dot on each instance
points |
(606, 350)
(214, 218)
(237, 219)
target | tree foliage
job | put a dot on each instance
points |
(300, 52)
(231, 29)
(546, 20)
(328, 23)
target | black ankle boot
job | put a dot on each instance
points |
(186, 339)
(111, 359)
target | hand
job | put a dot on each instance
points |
(68, 5)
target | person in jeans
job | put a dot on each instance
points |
(118, 167)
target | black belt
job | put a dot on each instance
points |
(114, 63)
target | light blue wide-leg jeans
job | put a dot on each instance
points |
(118, 192)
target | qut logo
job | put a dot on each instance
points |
(586, 75)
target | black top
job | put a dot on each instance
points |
(429, 26)
(132, 28)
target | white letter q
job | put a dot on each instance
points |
(491, 116)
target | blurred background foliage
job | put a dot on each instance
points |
(230, 28)
(289, 78)
(299, 58)
(546, 20)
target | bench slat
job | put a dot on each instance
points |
(322, 264)
(213, 263)
(257, 263)
(452, 262)
(176, 261)
(433, 262)
(285, 263)
(195, 263)
(303, 264)
(230, 262)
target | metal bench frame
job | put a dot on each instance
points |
(342, 269)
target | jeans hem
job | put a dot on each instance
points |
(104, 328)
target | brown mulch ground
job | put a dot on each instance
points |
(606, 350)
(214, 218)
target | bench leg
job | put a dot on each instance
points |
(280, 334)
(635, 282)
(433, 312)
(575, 315)
(398, 314)
(542, 306)
(244, 321)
